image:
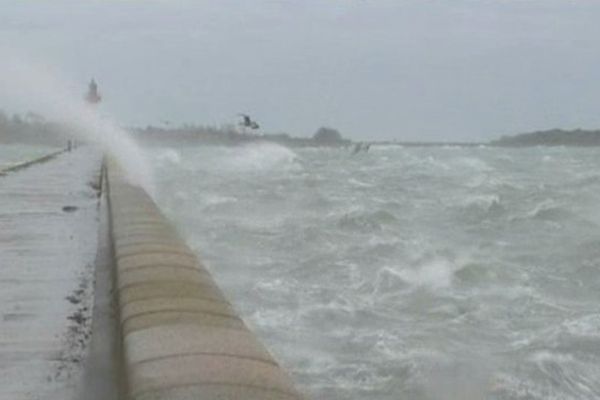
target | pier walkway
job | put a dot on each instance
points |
(101, 298)
(48, 233)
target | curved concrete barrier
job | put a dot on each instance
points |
(181, 339)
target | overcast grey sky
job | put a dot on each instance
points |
(406, 70)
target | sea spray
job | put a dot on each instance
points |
(48, 94)
(261, 156)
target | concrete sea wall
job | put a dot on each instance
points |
(181, 338)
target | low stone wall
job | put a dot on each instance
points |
(181, 339)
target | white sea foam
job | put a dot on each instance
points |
(406, 258)
(475, 164)
(359, 183)
(169, 156)
(262, 156)
(483, 201)
(587, 325)
(435, 274)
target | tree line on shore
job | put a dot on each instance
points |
(31, 128)
(553, 137)
(232, 135)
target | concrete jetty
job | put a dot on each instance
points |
(48, 228)
(161, 328)
(181, 337)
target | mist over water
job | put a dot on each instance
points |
(417, 273)
(44, 92)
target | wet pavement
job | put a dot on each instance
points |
(48, 242)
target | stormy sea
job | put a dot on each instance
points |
(404, 273)
(401, 273)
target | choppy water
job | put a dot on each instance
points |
(11, 154)
(405, 273)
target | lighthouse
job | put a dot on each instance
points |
(92, 96)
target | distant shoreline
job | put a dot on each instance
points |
(550, 138)
(30, 130)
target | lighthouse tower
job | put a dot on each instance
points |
(92, 96)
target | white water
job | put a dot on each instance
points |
(42, 90)
(432, 273)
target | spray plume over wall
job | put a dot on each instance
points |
(46, 93)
